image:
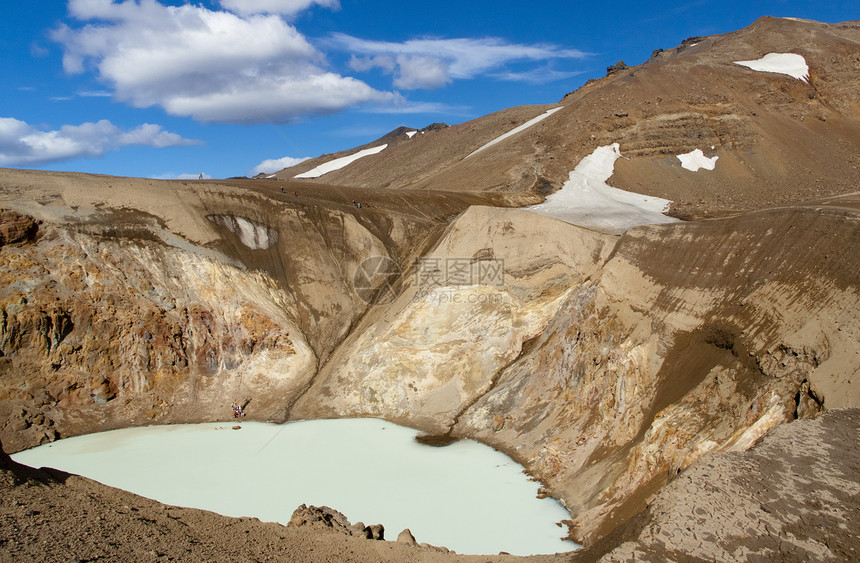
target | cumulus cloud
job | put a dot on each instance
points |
(273, 165)
(245, 67)
(433, 62)
(23, 144)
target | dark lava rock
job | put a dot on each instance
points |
(435, 127)
(617, 67)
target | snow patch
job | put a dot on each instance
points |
(588, 201)
(516, 130)
(782, 63)
(696, 159)
(255, 236)
(339, 163)
(411, 134)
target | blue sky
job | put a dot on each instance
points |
(170, 89)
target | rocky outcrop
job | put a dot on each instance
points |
(617, 67)
(406, 537)
(325, 518)
(438, 126)
(16, 228)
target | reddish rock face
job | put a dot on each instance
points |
(16, 228)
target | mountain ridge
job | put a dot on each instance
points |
(766, 128)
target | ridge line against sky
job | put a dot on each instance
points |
(171, 89)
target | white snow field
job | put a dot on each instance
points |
(782, 63)
(588, 201)
(465, 496)
(411, 134)
(696, 159)
(339, 163)
(516, 130)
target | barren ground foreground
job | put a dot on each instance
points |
(687, 389)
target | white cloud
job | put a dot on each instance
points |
(23, 144)
(434, 62)
(149, 134)
(272, 165)
(272, 99)
(285, 7)
(410, 71)
(209, 65)
(363, 64)
(415, 71)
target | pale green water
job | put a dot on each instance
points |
(465, 496)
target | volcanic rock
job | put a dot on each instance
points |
(16, 228)
(406, 537)
(320, 516)
(617, 67)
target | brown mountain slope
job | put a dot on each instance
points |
(421, 157)
(779, 139)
